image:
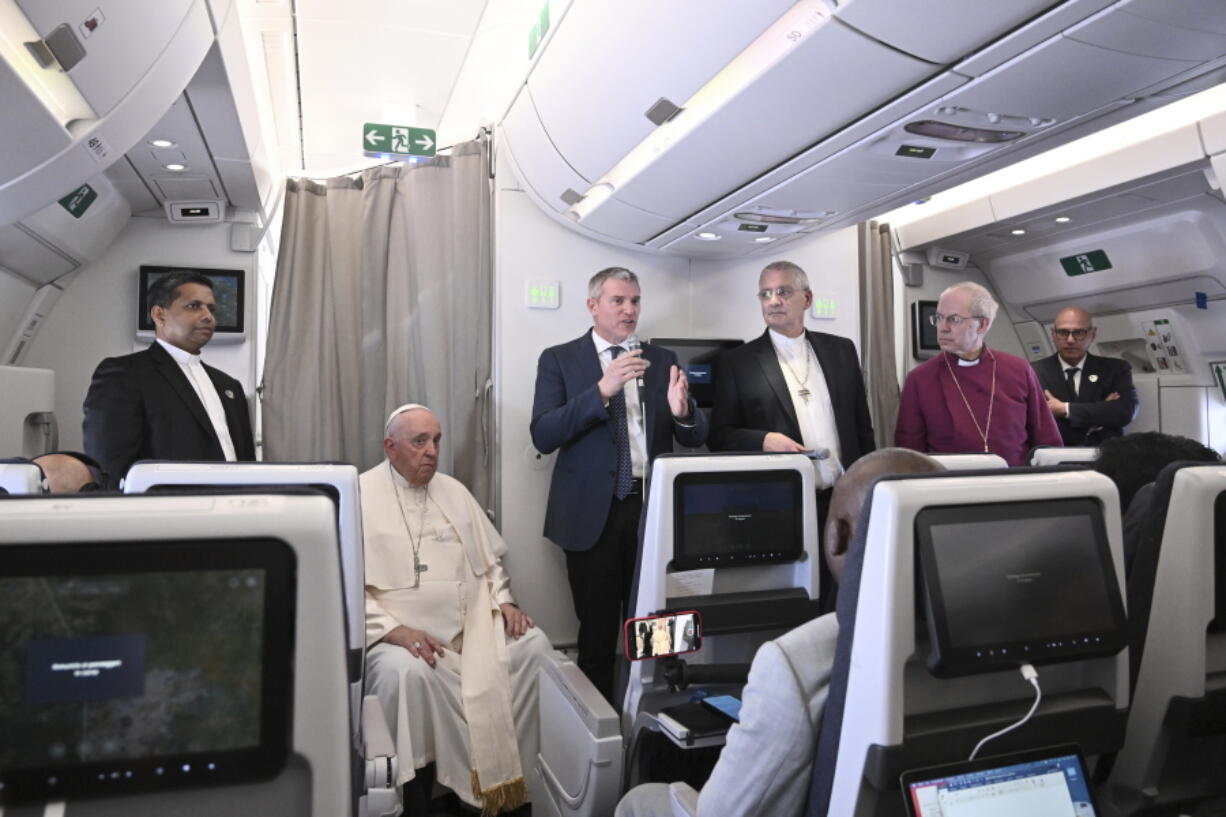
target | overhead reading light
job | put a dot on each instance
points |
(1063, 219)
(175, 166)
(708, 236)
(1018, 231)
(161, 143)
(961, 133)
(763, 239)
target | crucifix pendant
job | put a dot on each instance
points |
(804, 394)
(418, 569)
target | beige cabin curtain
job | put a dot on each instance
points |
(877, 362)
(383, 296)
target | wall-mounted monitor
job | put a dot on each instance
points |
(923, 334)
(229, 292)
(696, 356)
(1010, 583)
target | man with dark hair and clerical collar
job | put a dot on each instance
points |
(1091, 397)
(971, 398)
(164, 403)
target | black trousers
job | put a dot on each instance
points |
(600, 580)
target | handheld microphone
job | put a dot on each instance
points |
(633, 344)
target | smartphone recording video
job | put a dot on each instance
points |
(658, 636)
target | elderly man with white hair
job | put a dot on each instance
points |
(451, 657)
(971, 398)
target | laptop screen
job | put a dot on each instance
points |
(1051, 782)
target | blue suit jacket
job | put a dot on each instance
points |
(569, 415)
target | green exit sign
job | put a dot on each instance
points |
(539, 29)
(1092, 261)
(399, 140)
(79, 200)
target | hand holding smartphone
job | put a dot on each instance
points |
(667, 634)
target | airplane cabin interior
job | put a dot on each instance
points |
(393, 205)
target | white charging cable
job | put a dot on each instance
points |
(1031, 675)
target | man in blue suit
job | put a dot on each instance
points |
(610, 407)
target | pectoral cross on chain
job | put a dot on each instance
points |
(418, 569)
(804, 394)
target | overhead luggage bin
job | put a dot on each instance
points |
(65, 123)
(605, 68)
(835, 114)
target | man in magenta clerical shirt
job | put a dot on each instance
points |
(971, 398)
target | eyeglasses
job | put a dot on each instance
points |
(1075, 334)
(954, 321)
(784, 293)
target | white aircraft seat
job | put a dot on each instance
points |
(970, 462)
(338, 480)
(1063, 455)
(173, 655)
(20, 478)
(1015, 567)
(1172, 758)
(580, 761)
(735, 537)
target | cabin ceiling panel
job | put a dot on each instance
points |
(132, 187)
(609, 62)
(1151, 35)
(939, 31)
(1191, 15)
(31, 258)
(1029, 35)
(1062, 79)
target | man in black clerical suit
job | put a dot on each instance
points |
(759, 386)
(1091, 397)
(793, 390)
(164, 403)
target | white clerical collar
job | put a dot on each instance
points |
(181, 356)
(403, 484)
(782, 341)
(603, 345)
(964, 362)
(1079, 365)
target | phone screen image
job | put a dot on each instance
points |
(727, 705)
(658, 636)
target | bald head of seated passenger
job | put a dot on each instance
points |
(853, 489)
(66, 473)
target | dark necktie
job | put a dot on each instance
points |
(621, 438)
(1070, 375)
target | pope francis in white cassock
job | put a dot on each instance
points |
(451, 658)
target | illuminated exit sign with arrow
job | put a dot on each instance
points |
(397, 140)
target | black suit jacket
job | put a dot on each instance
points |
(569, 414)
(1091, 417)
(752, 398)
(142, 407)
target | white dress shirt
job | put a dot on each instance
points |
(801, 370)
(634, 408)
(193, 368)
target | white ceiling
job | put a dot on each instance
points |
(356, 61)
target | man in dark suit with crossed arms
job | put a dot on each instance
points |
(589, 404)
(1091, 397)
(164, 403)
(792, 390)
